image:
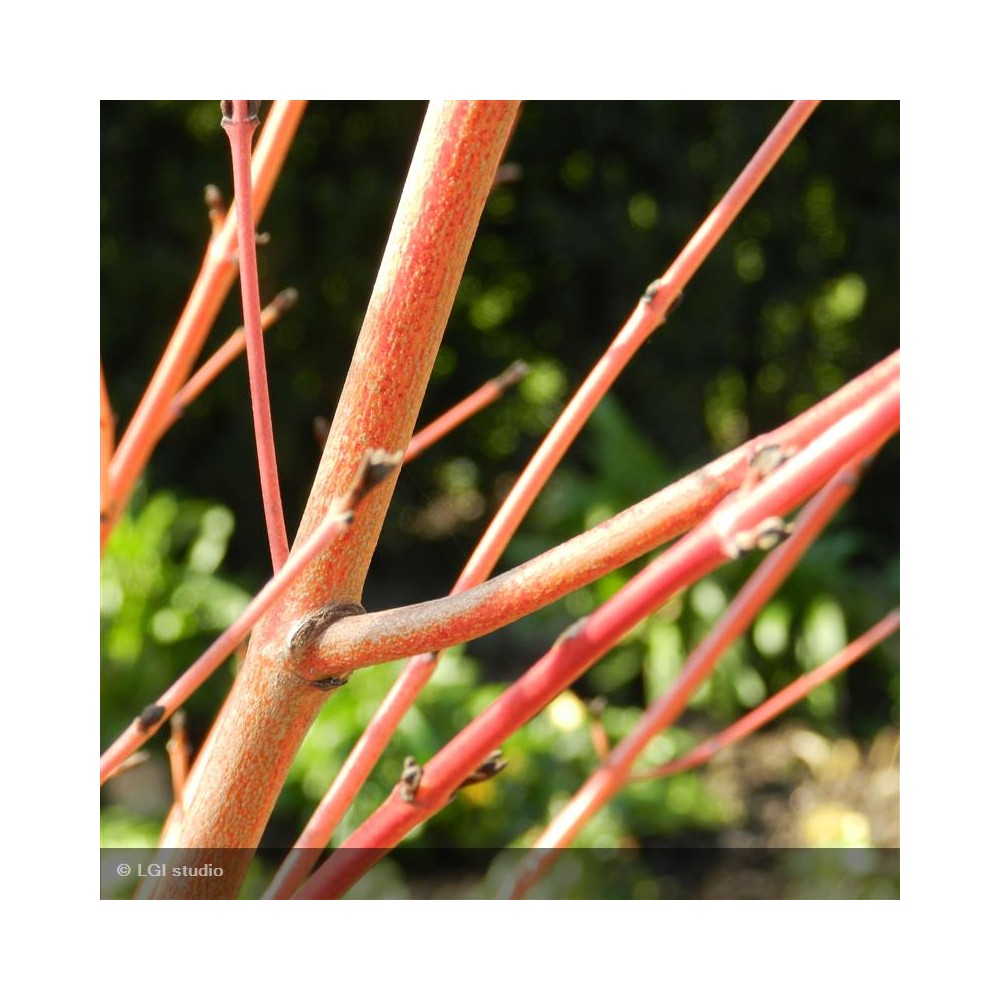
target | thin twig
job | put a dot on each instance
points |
(453, 165)
(179, 754)
(214, 280)
(434, 625)
(216, 208)
(613, 773)
(528, 587)
(130, 762)
(705, 548)
(234, 346)
(776, 704)
(337, 521)
(472, 404)
(647, 316)
(240, 122)
(598, 734)
(345, 786)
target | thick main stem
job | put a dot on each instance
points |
(646, 317)
(232, 792)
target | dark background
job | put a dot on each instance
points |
(799, 297)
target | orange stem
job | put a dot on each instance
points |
(778, 703)
(613, 773)
(646, 317)
(438, 624)
(179, 755)
(214, 280)
(458, 414)
(338, 520)
(453, 167)
(705, 548)
(382, 636)
(224, 356)
(240, 123)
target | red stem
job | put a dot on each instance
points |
(613, 773)
(359, 764)
(214, 280)
(240, 127)
(458, 414)
(777, 703)
(273, 702)
(854, 437)
(438, 624)
(224, 356)
(646, 317)
(433, 625)
(336, 523)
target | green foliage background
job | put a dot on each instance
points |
(801, 295)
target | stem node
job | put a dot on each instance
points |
(409, 780)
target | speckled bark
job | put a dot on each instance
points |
(271, 708)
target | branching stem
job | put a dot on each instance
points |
(213, 282)
(613, 773)
(273, 703)
(338, 520)
(438, 624)
(650, 313)
(851, 440)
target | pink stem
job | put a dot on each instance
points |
(777, 703)
(709, 545)
(646, 317)
(613, 773)
(213, 282)
(458, 414)
(240, 125)
(336, 523)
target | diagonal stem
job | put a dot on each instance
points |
(460, 412)
(337, 521)
(272, 703)
(234, 346)
(708, 546)
(433, 625)
(438, 624)
(778, 703)
(647, 316)
(214, 280)
(613, 773)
